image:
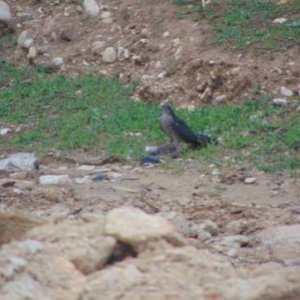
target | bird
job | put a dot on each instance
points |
(178, 131)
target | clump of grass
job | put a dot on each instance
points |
(92, 112)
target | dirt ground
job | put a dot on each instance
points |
(172, 59)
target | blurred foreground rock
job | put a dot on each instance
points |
(94, 257)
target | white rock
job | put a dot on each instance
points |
(54, 180)
(109, 55)
(97, 47)
(22, 37)
(279, 101)
(86, 168)
(58, 61)
(145, 32)
(107, 21)
(166, 34)
(24, 41)
(115, 176)
(123, 53)
(250, 180)
(5, 14)
(133, 226)
(18, 191)
(5, 131)
(91, 7)
(232, 253)
(106, 15)
(284, 91)
(28, 43)
(20, 161)
(83, 180)
(279, 20)
(219, 98)
(32, 53)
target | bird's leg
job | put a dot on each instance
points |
(177, 148)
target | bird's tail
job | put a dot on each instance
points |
(203, 140)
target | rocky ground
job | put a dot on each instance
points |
(146, 232)
(81, 227)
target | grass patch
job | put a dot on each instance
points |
(92, 112)
(249, 23)
(240, 24)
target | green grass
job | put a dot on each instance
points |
(249, 23)
(240, 24)
(96, 113)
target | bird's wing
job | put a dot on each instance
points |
(183, 131)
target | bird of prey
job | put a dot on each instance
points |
(178, 131)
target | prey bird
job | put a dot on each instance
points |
(178, 131)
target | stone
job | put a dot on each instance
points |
(123, 53)
(279, 20)
(115, 176)
(91, 8)
(280, 101)
(97, 47)
(5, 131)
(166, 34)
(32, 53)
(29, 270)
(250, 180)
(145, 32)
(83, 243)
(86, 168)
(284, 242)
(25, 41)
(83, 180)
(28, 43)
(58, 61)
(106, 15)
(132, 226)
(55, 180)
(19, 162)
(109, 55)
(284, 91)
(5, 14)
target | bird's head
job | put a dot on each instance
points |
(166, 108)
